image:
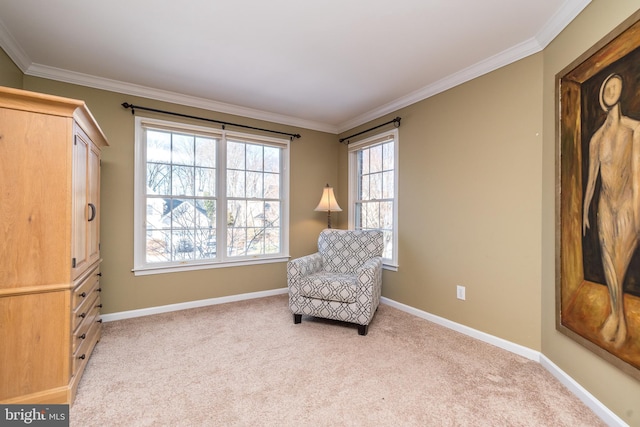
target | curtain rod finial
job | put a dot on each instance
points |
(127, 105)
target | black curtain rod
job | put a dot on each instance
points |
(395, 121)
(133, 107)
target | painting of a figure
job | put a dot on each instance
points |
(614, 157)
(598, 288)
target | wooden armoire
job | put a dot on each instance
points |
(49, 245)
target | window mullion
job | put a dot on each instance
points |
(221, 218)
(194, 225)
(171, 195)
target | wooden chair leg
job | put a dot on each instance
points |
(297, 318)
(363, 329)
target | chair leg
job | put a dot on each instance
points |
(363, 329)
(297, 318)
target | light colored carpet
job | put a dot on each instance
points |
(246, 364)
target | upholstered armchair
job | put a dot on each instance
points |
(342, 281)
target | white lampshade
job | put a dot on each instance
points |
(328, 201)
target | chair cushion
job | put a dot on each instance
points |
(344, 251)
(329, 286)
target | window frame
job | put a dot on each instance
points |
(353, 149)
(141, 266)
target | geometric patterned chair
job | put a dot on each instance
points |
(342, 281)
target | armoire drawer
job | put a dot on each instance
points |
(81, 333)
(83, 351)
(89, 283)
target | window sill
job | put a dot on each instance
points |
(390, 267)
(173, 268)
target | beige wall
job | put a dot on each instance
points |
(613, 388)
(469, 203)
(312, 165)
(10, 74)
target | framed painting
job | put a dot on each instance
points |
(598, 198)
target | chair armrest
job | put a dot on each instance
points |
(297, 269)
(372, 264)
(370, 276)
(300, 267)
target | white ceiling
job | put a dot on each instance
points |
(327, 65)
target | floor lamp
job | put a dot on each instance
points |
(328, 204)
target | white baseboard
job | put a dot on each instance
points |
(580, 392)
(587, 398)
(190, 304)
(474, 333)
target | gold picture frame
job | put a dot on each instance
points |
(598, 198)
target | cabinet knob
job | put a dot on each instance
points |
(99, 320)
(83, 336)
(84, 294)
(100, 274)
(83, 315)
(82, 357)
(99, 289)
(99, 305)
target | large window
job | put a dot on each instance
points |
(373, 189)
(207, 198)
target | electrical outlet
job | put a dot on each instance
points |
(460, 292)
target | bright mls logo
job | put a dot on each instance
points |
(36, 415)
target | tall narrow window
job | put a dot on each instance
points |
(180, 195)
(207, 198)
(253, 198)
(373, 184)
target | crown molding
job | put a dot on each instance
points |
(559, 21)
(506, 57)
(58, 74)
(567, 13)
(13, 49)
(569, 10)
